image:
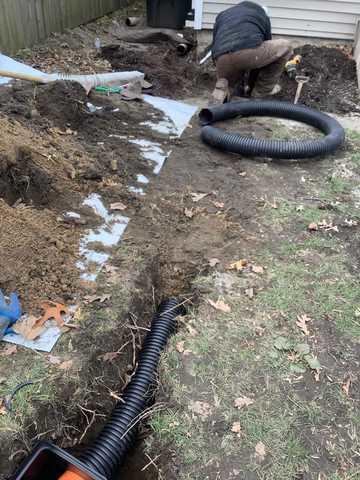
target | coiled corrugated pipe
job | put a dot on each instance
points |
(107, 452)
(258, 147)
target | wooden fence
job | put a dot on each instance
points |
(26, 22)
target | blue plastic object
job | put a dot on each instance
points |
(9, 312)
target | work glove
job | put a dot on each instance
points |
(9, 313)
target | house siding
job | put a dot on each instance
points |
(310, 18)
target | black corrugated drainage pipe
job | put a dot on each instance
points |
(258, 147)
(106, 454)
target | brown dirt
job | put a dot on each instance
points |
(171, 76)
(333, 82)
(53, 153)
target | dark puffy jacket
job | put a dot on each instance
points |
(244, 26)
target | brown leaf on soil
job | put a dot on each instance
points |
(242, 402)
(192, 331)
(257, 269)
(118, 206)
(196, 197)
(219, 204)
(54, 360)
(239, 265)
(189, 212)
(260, 451)
(3, 410)
(97, 298)
(109, 357)
(220, 305)
(9, 350)
(180, 347)
(313, 227)
(236, 427)
(249, 292)
(203, 409)
(30, 327)
(345, 387)
(110, 268)
(213, 262)
(53, 311)
(302, 321)
(66, 365)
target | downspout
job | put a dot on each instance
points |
(198, 6)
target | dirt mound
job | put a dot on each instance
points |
(38, 256)
(62, 102)
(171, 76)
(333, 82)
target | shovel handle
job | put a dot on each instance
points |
(298, 92)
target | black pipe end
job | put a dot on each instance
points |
(206, 116)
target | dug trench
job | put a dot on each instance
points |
(206, 210)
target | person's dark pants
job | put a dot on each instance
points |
(268, 59)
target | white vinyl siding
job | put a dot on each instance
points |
(311, 18)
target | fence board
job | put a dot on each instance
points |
(26, 22)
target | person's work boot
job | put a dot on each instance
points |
(256, 94)
(221, 94)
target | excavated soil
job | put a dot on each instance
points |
(333, 83)
(171, 75)
(53, 153)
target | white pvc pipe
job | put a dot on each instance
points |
(13, 69)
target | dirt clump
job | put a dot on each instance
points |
(62, 102)
(333, 83)
(171, 75)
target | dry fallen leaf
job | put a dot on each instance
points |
(54, 360)
(30, 327)
(109, 357)
(242, 402)
(180, 347)
(313, 227)
(110, 268)
(236, 427)
(118, 206)
(189, 212)
(220, 305)
(66, 365)
(203, 409)
(260, 451)
(196, 197)
(302, 321)
(3, 410)
(249, 292)
(213, 262)
(239, 265)
(346, 386)
(97, 298)
(219, 204)
(191, 330)
(53, 311)
(9, 350)
(257, 269)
